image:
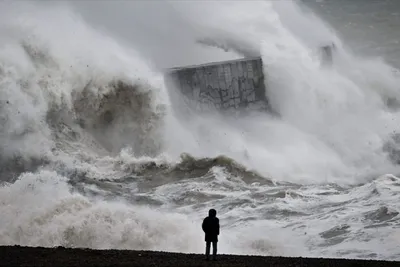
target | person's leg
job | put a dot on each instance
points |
(215, 243)
(208, 244)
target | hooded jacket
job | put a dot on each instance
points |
(211, 226)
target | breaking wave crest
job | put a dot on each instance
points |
(92, 153)
(54, 103)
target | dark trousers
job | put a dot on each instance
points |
(208, 245)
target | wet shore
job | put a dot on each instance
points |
(36, 256)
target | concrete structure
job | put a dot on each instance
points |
(229, 85)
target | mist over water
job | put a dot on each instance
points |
(95, 150)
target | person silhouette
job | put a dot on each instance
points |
(210, 227)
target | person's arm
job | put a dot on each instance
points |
(217, 226)
(203, 226)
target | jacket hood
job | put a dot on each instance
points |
(212, 213)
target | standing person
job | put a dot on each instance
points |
(211, 229)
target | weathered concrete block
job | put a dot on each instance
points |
(236, 84)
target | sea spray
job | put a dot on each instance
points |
(94, 155)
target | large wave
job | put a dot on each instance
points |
(60, 87)
(93, 154)
(333, 121)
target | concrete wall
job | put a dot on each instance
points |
(228, 85)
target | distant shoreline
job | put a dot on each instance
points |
(59, 256)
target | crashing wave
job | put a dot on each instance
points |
(49, 108)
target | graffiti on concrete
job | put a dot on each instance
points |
(227, 85)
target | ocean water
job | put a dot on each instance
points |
(93, 154)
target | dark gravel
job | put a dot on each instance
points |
(37, 256)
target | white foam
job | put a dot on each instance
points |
(333, 124)
(40, 210)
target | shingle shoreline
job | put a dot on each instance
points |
(59, 256)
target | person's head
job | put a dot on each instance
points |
(212, 213)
